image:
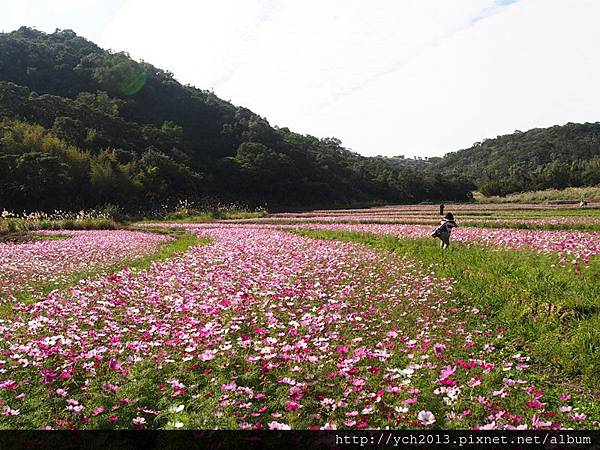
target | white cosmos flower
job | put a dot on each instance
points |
(426, 418)
(176, 424)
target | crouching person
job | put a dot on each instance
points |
(444, 230)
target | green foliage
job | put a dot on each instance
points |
(96, 101)
(172, 129)
(118, 73)
(188, 212)
(542, 158)
(159, 176)
(11, 224)
(568, 195)
(100, 101)
(39, 169)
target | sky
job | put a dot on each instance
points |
(387, 77)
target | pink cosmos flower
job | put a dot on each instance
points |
(139, 422)
(295, 392)
(9, 384)
(439, 348)
(61, 392)
(7, 411)
(360, 352)
(535, 404)
(48, 376)
(474, 381)
(207, 355)
(537, 423)
(447, 372)
(292, 406)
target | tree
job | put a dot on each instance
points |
(100, 101)
(118, 73)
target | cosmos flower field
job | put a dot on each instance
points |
(266, 329)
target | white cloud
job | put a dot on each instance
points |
(531, 66)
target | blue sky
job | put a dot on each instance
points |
(411, 77)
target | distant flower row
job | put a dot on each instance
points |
(425, 208)
(570, 246)
(427, 219)
(24, 265)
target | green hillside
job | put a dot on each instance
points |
(542, 158)
(83, 127)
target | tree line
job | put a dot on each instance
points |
(543, 158)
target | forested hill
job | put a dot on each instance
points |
(541, 158)
(82, 126)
